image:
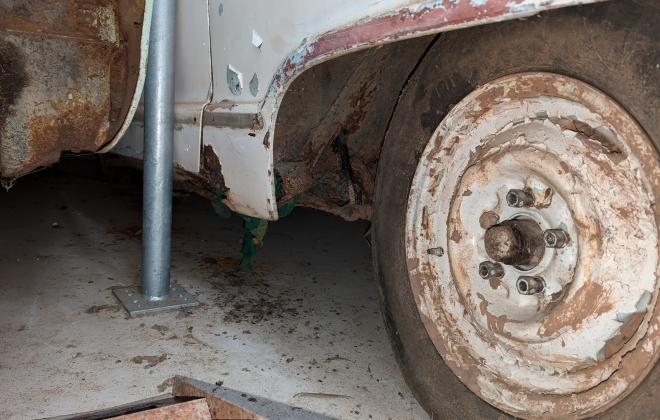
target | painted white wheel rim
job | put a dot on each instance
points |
(592, 334)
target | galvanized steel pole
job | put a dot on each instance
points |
(158, 135)
(156, 293)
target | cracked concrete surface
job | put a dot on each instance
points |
(302, 329)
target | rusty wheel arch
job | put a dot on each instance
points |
(332, 123)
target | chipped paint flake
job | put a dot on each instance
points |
(234, 80)
(257, 41)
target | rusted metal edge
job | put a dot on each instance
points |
(137, 93)
(425, 19)
(430, 17)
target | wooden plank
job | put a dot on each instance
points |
(132, 407)
(190, 410)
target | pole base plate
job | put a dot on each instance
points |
(135, 304)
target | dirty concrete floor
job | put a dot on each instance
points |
(303, 329)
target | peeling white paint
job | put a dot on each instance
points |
(537, 348)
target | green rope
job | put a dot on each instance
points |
(254, 229)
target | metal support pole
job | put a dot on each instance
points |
(156, 293)
(158, 135)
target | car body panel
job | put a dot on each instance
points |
(235, 61)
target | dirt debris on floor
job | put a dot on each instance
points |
(150, 361)
(305, 321)
(105, 307)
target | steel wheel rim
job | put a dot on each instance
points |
(554, 352)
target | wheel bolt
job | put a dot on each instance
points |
(519, 198)
(438, 252)
(528, 285)
(555, 238)
(488, 270)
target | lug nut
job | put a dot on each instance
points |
(555, 238)
(519, 198)
(488, 270)
(528, 285)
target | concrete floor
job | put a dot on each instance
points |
(303, 329)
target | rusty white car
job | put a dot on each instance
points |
(505, 151)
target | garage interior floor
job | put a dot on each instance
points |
(301, 332)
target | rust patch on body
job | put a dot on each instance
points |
(76, 88)
(359, 104)
(211, 171)
(266, 141)
(334, 140)
(73, 126)
(257, 122)
(84, 19)
(209, 182)
(13, 80)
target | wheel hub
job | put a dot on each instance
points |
(516, 242)
(548, 281)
